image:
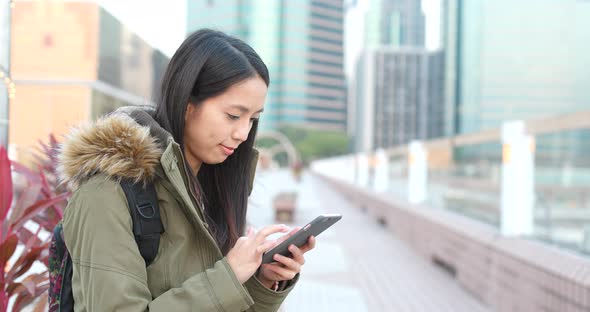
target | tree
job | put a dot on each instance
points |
(314, 144)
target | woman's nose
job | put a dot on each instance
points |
(241, 131)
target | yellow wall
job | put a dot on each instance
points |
(54, 40)
(38, 111)
(54, 53)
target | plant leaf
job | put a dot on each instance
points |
(5, 184)
(26, 295)
(24, 262)
(32, 242)
(47, 190)
(14, 288)
(27, 198)
(36, 208)
(29, 284)
(31, 175)
(24, 236)
(41, 303)
(22, 300)
(7, 249)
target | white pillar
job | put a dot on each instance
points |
(517, 203)
(362, 170)
(381, 183)
(417, 172)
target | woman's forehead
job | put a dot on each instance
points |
(246, 96)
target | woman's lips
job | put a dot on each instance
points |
(227, 150)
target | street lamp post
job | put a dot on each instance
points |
(7, 87)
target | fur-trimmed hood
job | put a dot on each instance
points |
(127, 144)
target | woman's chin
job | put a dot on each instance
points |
(216, 160)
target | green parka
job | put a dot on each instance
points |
(189, 273)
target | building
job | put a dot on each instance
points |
(515, 60)
(527, 62)
(302, 44)
(397, 93)
(437, 113)
(73, 62)
(400, 98)
(395, 22)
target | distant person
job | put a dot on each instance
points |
(196, 148)
(297, 169)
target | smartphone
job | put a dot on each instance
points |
(299, 238)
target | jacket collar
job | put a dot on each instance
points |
(126, 144)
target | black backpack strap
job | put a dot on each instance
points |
(66, 295)
(145, 213)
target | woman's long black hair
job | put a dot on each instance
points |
(206, 64)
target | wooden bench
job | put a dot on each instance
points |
(284, 207)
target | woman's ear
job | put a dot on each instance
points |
(189, 111)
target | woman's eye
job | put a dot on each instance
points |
(233, 117)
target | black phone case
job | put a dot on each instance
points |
(315, 227)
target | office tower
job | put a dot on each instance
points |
(302, 44)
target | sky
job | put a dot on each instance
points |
(431, 9)
(162, 23)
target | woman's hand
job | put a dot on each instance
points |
(285, 268)
(246, 255)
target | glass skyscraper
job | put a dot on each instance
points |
(515, 60)
(395, 23)
(302, 44)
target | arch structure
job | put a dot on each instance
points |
(284, 145)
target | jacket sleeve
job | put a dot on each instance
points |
(266, 299)
(109, 273)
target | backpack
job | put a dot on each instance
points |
(147, 228)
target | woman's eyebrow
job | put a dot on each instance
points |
(244, 109)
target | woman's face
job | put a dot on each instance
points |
(217, 126)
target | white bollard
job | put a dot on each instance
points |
(417, 172)
(517, 202)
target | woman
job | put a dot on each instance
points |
(196, 147)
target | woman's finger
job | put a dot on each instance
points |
(284, 274)
(309, 245)
(271, 229)
(297, 254)
(268, 273)
(266, 246)
(283, 238)
(289, 263)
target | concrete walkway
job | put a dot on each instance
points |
(357, 265)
